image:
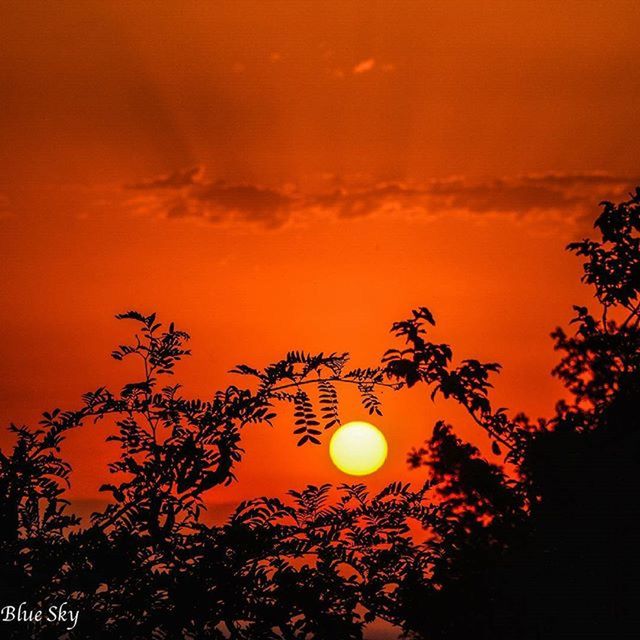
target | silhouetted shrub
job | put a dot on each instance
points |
(542, 546)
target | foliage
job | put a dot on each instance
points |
(538, 543)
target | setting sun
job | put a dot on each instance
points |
(358, 448)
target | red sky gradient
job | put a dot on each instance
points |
(350, 161)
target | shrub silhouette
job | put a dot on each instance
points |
(542, 545)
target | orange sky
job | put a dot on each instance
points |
(354, 160)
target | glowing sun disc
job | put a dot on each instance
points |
(358, 448)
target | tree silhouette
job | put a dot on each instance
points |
(547, 550)
(542, 545)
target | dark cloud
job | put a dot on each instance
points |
(247, 202)
(353, 203)
(176, 180)
(186, 193)
(598, 178)
(501, 196)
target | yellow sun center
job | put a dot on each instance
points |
(358, 448)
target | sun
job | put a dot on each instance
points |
(358, 448)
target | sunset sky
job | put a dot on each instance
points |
(298, 175)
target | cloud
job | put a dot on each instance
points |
(500, 196)
(554, 192)
(187, 194)
(175, 180)
(244, 202)
(364, 66)
(576, 179)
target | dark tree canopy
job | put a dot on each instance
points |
(542, 545)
